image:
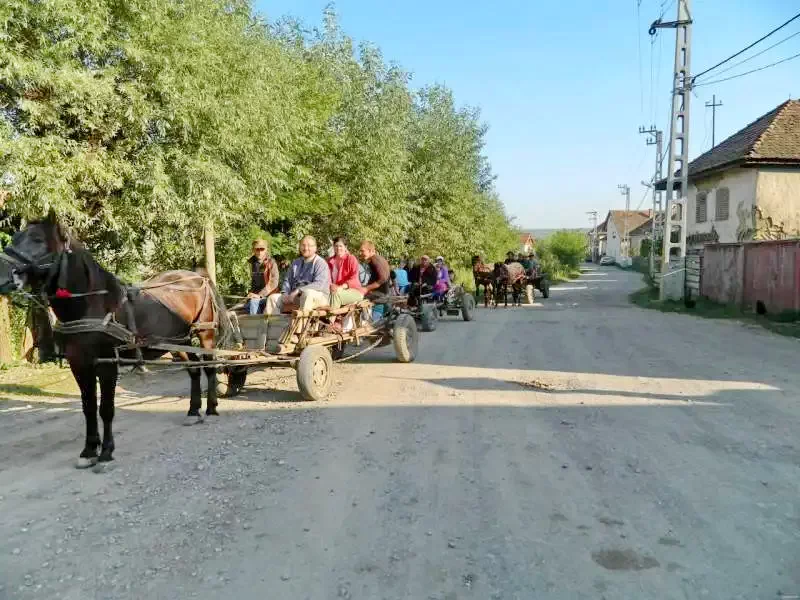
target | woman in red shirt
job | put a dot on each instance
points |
(345, 285)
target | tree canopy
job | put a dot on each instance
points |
(140, 121)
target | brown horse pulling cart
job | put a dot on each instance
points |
(104, 324)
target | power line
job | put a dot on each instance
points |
(749, 72)
(732, 56)
(639, 52)
(749, 58)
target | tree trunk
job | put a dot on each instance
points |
(38, 336)
(6, 350)
(211, 259)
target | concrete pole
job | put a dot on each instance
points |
(671, 282)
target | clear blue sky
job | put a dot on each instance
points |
(561, 87)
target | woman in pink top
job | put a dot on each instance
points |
(345, 285)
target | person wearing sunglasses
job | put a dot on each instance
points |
(263, 277)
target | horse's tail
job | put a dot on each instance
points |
(228, 334)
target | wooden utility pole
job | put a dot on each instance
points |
(211, 257)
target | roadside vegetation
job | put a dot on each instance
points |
(144, 122)
(562, 253)
(785, 323)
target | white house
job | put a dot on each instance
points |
(614, 228)
(748, 186)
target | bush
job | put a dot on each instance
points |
(463, 276)
(569, 247)
(561, 254)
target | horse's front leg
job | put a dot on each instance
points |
(107, 374)
(85, 378)
(195, 395)
(207, 342)
(211, 400)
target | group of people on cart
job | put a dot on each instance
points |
(529, 262)
(311, 281)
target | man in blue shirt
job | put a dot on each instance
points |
(307, 283)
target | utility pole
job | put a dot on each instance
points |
(658, 141)
(713, 106)
(625, 190)
(670, 287)
(595, 246)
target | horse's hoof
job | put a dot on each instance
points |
(193, 420)
(85, 463)
(212, 413)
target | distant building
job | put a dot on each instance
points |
(748, 186)
(612, 231)
(526, 242)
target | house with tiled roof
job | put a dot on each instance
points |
(747, 187)
(616, 225)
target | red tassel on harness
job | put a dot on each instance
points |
(62, 293)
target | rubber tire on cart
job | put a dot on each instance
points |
(315, 372)
(231, 381)
(429, 318)
(406, 338)
(544, 287)
(467, 307)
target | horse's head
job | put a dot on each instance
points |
(476, 261)
(30, 255)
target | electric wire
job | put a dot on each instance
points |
(745, 49)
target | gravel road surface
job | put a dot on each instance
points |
(576, 448)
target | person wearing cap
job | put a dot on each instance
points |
(442, 277)
(263, 277)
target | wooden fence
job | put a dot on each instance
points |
(753, 274)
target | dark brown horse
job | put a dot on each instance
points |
(100, 318)
(482, 273)
(505, 275)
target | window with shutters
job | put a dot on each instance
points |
(723, 204)
(701, 209)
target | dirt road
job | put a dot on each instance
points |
(578, 448)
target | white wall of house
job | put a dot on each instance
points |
(778, 197)
(741, 186)
(613, 241)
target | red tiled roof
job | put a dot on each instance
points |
(773, 138)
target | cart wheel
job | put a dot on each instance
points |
(315, 372)
(406, 338)
(545, 288)
(530, 293)
(430, 317)
(337, 351)
(467, 307)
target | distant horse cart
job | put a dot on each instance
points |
(514, 278)
(103, 324)
(427, 308)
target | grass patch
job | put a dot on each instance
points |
(23, 379)
(783, 323)
(563, 275)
